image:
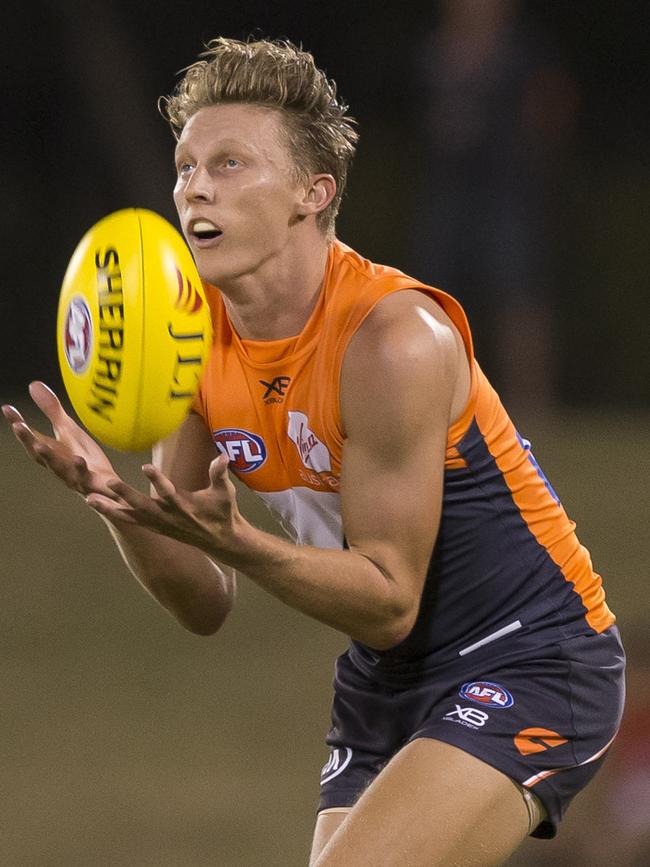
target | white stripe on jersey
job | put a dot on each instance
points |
(505, 630)
(309, 517)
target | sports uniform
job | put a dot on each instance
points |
(514, 656)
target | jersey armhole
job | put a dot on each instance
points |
(458, 429)
(457, 315)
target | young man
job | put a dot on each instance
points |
(483, 683)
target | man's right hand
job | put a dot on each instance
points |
(194, 588)
(71, 454)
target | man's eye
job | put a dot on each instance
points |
(184, 168)
(231, 163)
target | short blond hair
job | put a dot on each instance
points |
(277, 74)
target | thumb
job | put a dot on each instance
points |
(219, 470)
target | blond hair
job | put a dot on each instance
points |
(319, 134)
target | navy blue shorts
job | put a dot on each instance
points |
(544, 719)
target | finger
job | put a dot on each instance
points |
(39, 448)
(87, 481)
(31, 442)
(219, 470)
(71, 471)
(110, 510)
(159, 481)
(48, 403)
(129, 495)
(23, 432)
(11, 413)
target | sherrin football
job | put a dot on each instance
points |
(133, 329)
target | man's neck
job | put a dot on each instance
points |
(277, 301)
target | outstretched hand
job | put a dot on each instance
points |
(205, 519)
(71, 454)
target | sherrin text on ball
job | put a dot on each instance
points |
(133, 329)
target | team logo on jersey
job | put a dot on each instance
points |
(78, 333)
(313, 453)
(536, 740)
(338, 761)
(245, 451)
(486, 693)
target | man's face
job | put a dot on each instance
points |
(235, 195)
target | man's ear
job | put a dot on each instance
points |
(317, 194)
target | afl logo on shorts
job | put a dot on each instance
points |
(78, 334)
(245, 451)
(486, 693)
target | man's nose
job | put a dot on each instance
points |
(199, 187)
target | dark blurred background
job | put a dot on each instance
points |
(503, 157)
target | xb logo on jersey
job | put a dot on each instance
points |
(276, 389)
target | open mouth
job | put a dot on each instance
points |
(204, 230)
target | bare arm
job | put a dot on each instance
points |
(196, 589)
(183, 579)
(404, 379)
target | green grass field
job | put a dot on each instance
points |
(127, 742)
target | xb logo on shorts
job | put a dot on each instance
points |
(245, 451)
(486, 693)
(471, 717)
(338, 761)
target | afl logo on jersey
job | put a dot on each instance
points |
(245, 451)
(486, 693)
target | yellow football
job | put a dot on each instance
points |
(133, 330)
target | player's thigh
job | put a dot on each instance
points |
(433, 804)
(326, 824)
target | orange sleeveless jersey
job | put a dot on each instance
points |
(506, 559)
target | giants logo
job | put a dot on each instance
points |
(536, 740)
(78, 335)
(245, 451)
(489, 694)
